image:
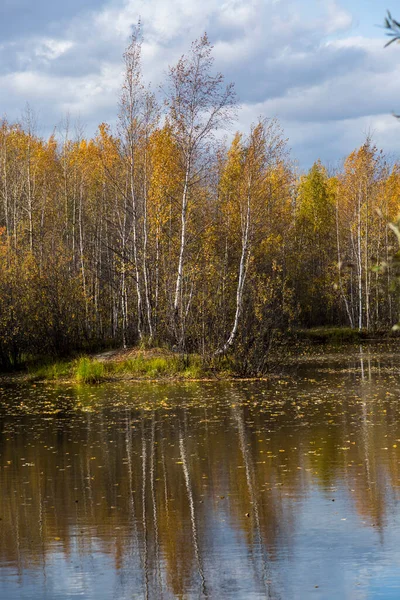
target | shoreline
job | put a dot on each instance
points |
(158, 365)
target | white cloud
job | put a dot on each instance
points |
(338, 18)
(52, 49)
(296, 60)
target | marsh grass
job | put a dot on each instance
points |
(89, 371)
(157, 367)
(50, 371)
(140, 366)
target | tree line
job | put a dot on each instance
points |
(163, 232)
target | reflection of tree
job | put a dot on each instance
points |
(154, 505)
(189, 489)
(253, 494)
(144, 515)
(131, 496)
(144, 486)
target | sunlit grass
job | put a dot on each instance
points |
(154, 367)
(89, 371)
(139, 366)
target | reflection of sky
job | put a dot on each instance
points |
(342, 557)
(64, 577)
(294, 537)
(76, 575)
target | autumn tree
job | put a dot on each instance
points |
(360, 186)
(315, 247)
(248, 199)
(199, 104)
(162, 232)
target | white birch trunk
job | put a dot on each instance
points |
(359, 266)
(145, 268)
(179, 278)
(339, 258)
(244, 259)
(135, 248)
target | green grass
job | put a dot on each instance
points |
(83, 370)
(89, 371)
(50, 372)
(157, 367)
(141, 366)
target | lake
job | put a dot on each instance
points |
(282, 489)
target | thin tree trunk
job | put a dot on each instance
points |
(244, 259)
(366, 262)
(135, 247)
(30, 199)
(82, 255)
(339, 258)
(145, 268)
(179, 278)
(359, 265)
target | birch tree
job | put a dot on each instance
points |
(247, 170)
(199, 105)
(130, 122)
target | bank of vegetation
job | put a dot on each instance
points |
(163, 233)
(135, 365)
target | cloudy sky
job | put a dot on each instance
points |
(317, 65)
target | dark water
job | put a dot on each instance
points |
(286, 489)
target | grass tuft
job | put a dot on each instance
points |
(140, 366)
(89, 371)
(50, 372)
(150, 367)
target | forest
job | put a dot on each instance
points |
(173, 231)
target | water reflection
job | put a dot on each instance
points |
(246, 490)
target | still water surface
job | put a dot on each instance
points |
(283, 489)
